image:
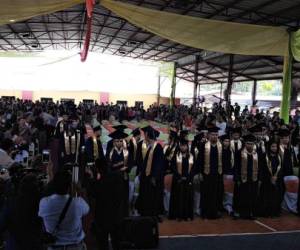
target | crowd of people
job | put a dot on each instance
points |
(52, 171)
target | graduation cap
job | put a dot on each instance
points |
(283, 132)
(183, 133)
(202, 129)
(183, 141)
(173, 134)
(136, 132)
(118, 134)
(213, 130)
(151, 132)
(237, 130)
(198, 137)
(249, 138)
(120, 127)
(97, 128)
(225, 137)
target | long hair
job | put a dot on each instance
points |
(269, 146)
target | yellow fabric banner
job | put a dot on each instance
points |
(213, 35)
(18, 10)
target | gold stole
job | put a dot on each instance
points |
(150, 158)
(196, 152)
(269, 164)
(95, 148)
(125, 154)
(70, 149)
(281, 152)
(244, 162)
(232, 145)
(134, 147)
(179, 162)
(207, 149)
(144, 149)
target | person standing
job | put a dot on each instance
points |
(149, 202)
(211, 168)
(271, 189)
(181, 202)
(118, 161)
(247, 178)
(108, 192)
(286, 152)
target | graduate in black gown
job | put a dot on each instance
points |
(70, 142)
(170, 151)
(210, 163)
(272, 182)
(149, 201)
(110, 142)
(93, 146)
(247, 178)
(286, 152)
(227, 155)
(133, 147)
(117, 159)
(182, 195)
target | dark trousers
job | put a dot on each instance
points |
(103, 235)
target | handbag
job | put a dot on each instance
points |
(50, 238)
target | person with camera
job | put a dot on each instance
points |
(62, 215)
(19, 217)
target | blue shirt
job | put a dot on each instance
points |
(70, 230)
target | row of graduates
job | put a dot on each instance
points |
(258, 170)
(256, 164)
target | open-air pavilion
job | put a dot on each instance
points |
(25, 28)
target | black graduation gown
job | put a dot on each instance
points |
(133, 161)
(89, 149)
(69, 157)
(108, 193)
(169, 155)
(288, 162)
(212, 187)
(227, 161)
(114, 158)
(270, 193)
(182, 195)
(248, 190)
(110, 145)
(149, 202)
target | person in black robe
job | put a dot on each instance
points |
(110, 142)
(170, 151)
(93, 146)
(133, 147)
(108, 191)
(94, 151)
(149, 202)
(182, 195)
(211, 169)
(286, 152)
(227, 155)
(118, 161)
(199, 139)
(272, 182)
(247, 179)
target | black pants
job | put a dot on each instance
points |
(103, 235)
